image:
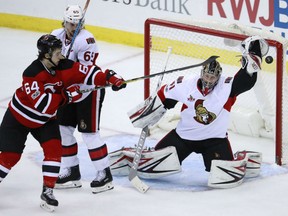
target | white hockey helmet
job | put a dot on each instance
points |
(73, 14)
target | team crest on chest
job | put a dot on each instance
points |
(203, 116)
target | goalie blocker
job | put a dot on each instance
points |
(147, 113)
(163, 162)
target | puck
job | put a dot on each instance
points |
(269, 59)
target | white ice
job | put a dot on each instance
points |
(183, 194)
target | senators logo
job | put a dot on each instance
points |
(203, 116)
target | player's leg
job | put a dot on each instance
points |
(173, 139)
(50, 140)
(70, 173)
(88, 114)
(12, 142)
(216, 149)
(225, 172)
(98, 153)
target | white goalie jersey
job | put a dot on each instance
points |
(202, 117)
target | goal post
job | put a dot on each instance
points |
(261, 112)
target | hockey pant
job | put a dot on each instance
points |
(97, 149)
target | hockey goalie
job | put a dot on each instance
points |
(206, 103)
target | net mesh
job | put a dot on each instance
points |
(192, 43)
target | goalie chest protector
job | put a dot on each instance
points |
(202, 117)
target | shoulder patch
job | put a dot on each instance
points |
(228, 79)
(90, 40)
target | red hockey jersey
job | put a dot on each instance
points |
(39, 97)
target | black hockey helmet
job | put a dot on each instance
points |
(47, 44)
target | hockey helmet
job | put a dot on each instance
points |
(213, 68)
(47, 43)
(73, 14)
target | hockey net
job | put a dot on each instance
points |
(260, 112)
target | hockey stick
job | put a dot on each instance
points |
(77, 28)
(133, 178)
(207, 61)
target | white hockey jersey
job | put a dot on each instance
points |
(84, 50)
(202, 117)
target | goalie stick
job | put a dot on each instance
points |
(133, 178)
(207, 61)
(77, 28)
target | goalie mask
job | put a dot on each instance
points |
(73, 14)
(210, 74)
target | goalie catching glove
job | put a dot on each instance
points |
(253, 49)
(115, 80)
(71, 94)
(147, 113)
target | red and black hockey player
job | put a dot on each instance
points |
(49, 82)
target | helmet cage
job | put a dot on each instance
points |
(212, 68)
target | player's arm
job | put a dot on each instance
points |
(169, 94)
(44, 102)
(253, 48)
(242, 82)
(167, 102)
(93, 75)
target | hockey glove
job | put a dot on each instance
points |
(117, 81)
(71, 94)
(255, 45)
(251, 62)
(253, 49)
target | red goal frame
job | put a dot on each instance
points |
(230, 35)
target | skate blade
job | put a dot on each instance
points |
(108, 186)
(67, 185)
(47, 207)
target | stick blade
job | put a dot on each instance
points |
(139, 185)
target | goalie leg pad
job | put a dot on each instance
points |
(153, 163)
(120, 161)
(227, 174)
(254, 160)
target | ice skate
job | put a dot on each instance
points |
(70, 178)
(48, 202)
(102, 182)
